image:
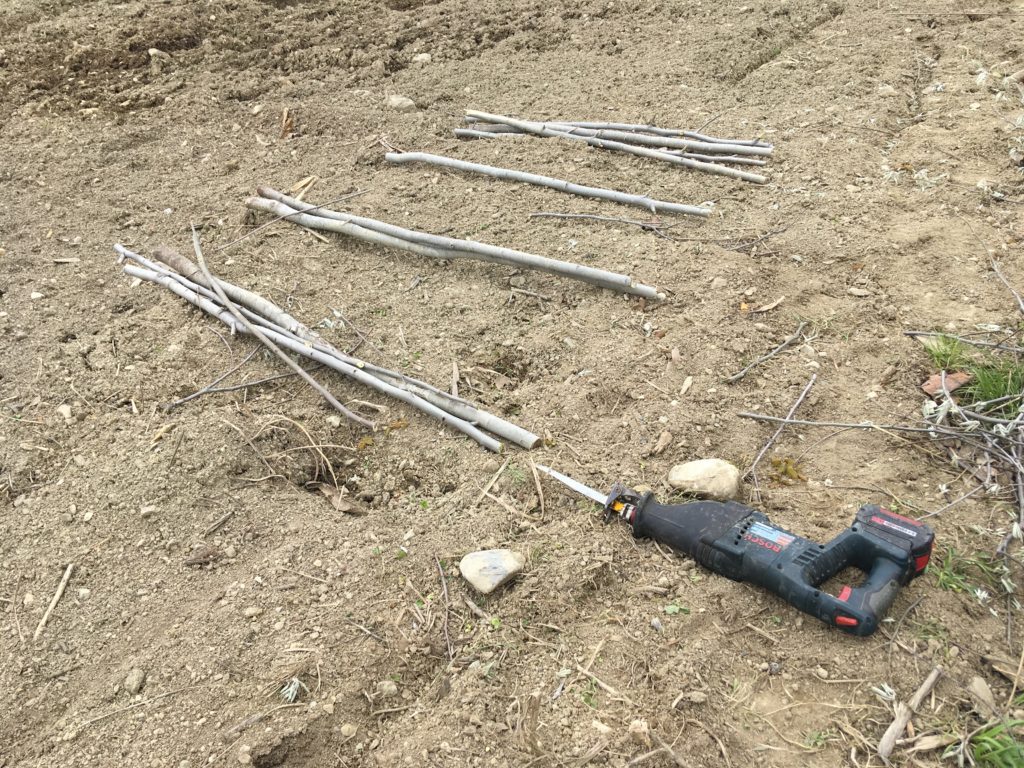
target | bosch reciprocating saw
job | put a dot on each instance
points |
(742, 544)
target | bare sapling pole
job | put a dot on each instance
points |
(634, 128)
(543, 129)
(254, 331)
(299, 347)
(457, 406)
(334, 221)
(641, 201)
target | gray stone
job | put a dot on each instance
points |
(711, 478)
(422, 58)
(134, 681)
(401, 103)
(490, 568)
(860, 292)
(387, 689)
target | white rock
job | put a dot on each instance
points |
(718, 283)
(134, 681)
(714, 478)
(490, 568)
(64, 410)
(422, 58)
(252, 612)
(348, 730)
(387, 689)
(35, 295)
(861, 292)
(83, 593)
(401, 103)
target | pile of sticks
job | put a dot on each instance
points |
(688, 149)
(436, 246)
(246, 312)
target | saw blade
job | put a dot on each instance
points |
(576, 485)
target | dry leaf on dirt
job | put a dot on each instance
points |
(934, 741)
(769, 307)
(981, 695)
(954, 381)
(341, 503)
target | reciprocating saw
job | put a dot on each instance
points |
(742, 544)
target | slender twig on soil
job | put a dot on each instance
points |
(53, 601)
(864, 425)
(1009, 287)
(903, 713)
(641, 201)
(14, 607)
(786, 342)
(490, 484)
(210, 387)
(136, 705)
(218, 523)
(540, 490)
(965, 340)
(752, 243)
(252, 329)
(952, 503)
(604, 686)
(447, 609)
(724, 159)
(650, 226)
(438, 247)
(542, 129)
(782, 425)
(258, 382)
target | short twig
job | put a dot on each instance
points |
(136, 705)
(786, 342)
(965, 340)
(230, 306)
(714, 736)
(806, 423)
(782, 425)
(218, 523)
(477, 611)
(604, 686)
(648, 226)
(53, 601)
(209, 387)
(14, 605)
(745, 245)
(447, 609)
(903, 713)
(1009, 287)
(490, 484)
(540, 491)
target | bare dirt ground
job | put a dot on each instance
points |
(892, 176)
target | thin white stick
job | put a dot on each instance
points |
(301, 348)
(653, 129)
(333, 221)
(543, 129)
(782, 426)
(253, 330)
(456, 406)
(53, 602)
(688, 145)
(641, 201)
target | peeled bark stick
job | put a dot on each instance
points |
(356, 226)
(543, 129)
(903, 714)
(668, 142)
(457, 406)
(735, 160)
(671, 142)
(184, 267)
(253, 330)
(634, 128)
(53, 602)
(641, 201)
(301, 348)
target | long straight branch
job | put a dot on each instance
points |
(641, 201)
(438, 247)
(421, 390)
(634, 128)
(543, 129)
(252, 329)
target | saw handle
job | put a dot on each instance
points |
(742, 544)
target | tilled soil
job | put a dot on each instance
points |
(205, 557)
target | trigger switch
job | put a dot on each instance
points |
(846, 621)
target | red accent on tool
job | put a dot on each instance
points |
(920, 563)
(846, 621)
(844, 593)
